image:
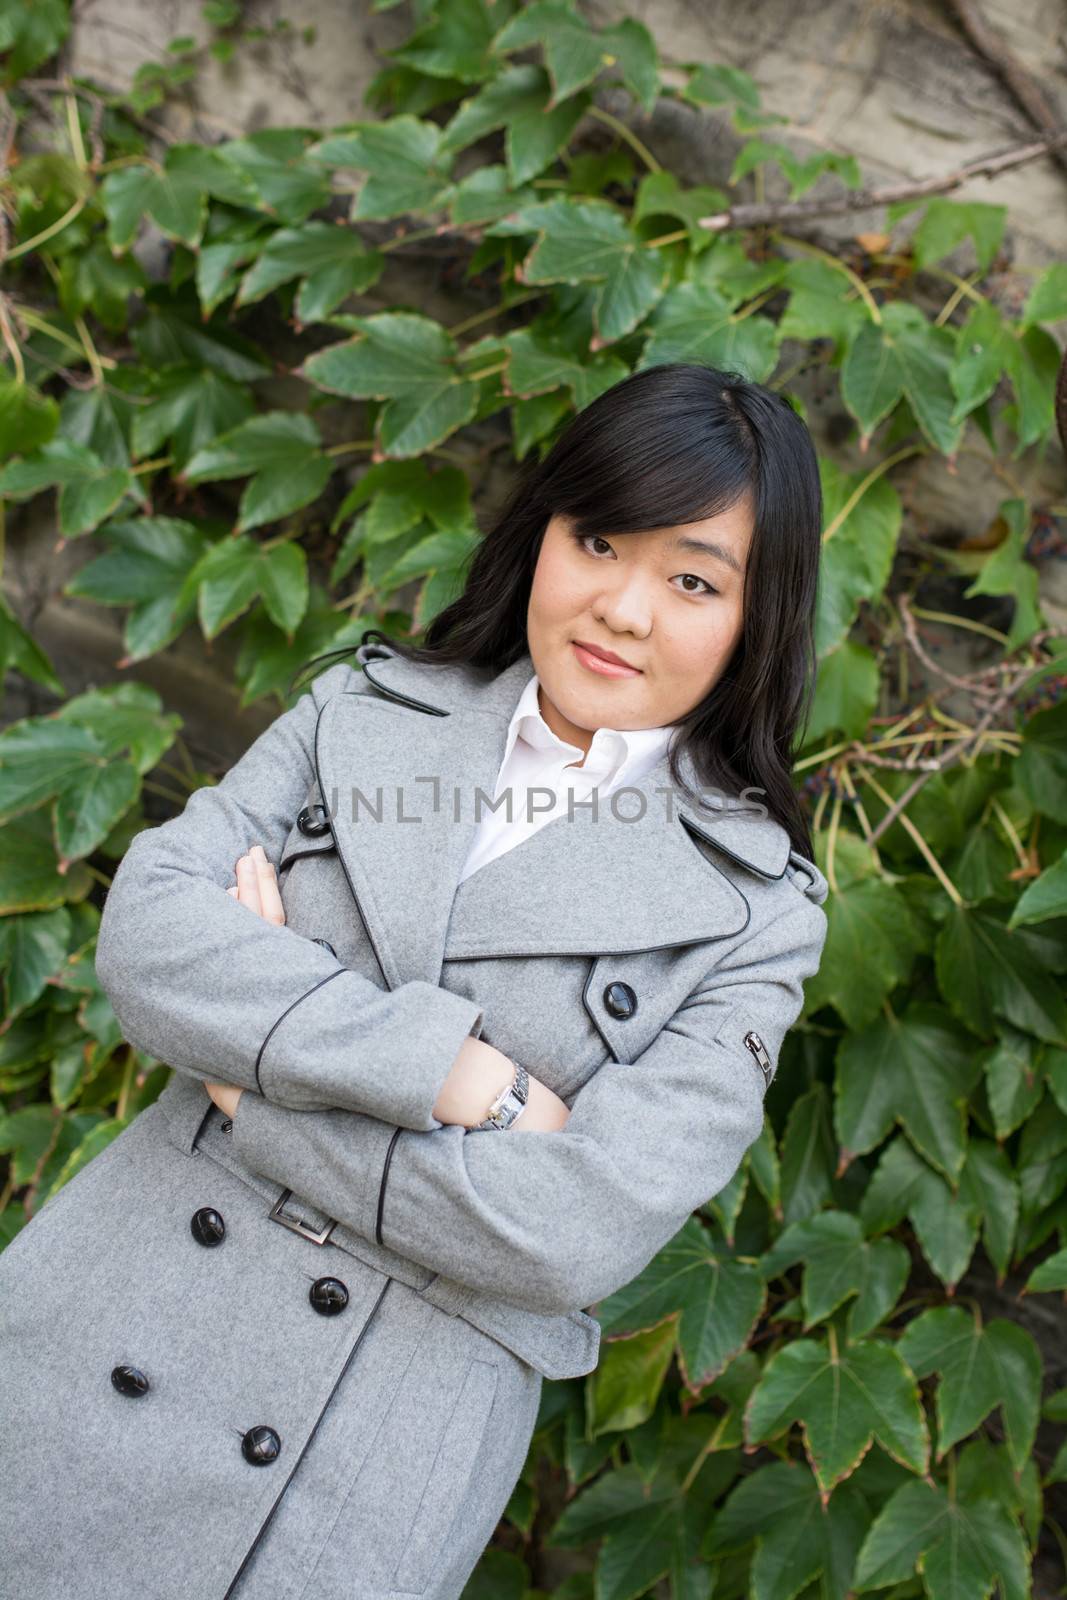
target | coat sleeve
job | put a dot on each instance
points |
(214, 990)
(556, 1221)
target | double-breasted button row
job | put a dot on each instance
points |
(259, 1445)
(327, 1295)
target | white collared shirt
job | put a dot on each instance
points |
(536, 758)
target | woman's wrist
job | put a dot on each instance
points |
(478, 1074)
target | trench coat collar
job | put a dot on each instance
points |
(650, 871)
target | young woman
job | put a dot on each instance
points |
(546, 875)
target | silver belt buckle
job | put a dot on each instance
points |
(298, 1225)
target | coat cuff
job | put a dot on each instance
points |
(273, 1140)
(388, 1058)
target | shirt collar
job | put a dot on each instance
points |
(615, 755)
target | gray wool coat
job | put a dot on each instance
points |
(341, 1404)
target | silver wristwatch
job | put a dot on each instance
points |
(510, 1103)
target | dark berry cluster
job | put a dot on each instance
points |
(1046, 537)
(817, 782)
(1048, 692)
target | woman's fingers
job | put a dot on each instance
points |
(269, 898)
(248, 885)
(257, 886)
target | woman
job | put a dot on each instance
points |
(545, 875)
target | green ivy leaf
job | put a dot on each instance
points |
(946, 223)
(946, 1224)
(541, 365)
(1041, 771)
(1050, 1275)
(695, 323)
(281, 450)
(408, 361)
(718, 1302)
(982, 1366)
(1013, 1080)
(800, 1538)
(839, 1263)
(30, 877)
(917, 1070)
(846, 693)
(904, 357)
(861, 527)
(986, 970)
(236, 571)
(591, 242)
(275, 162)
(629, 1378)
(405, 165)
(48, 759)
(88, 490)
(95, 280)
(27, 417)
(870, 915)
(808, 1154)
(332, 262)
(148, 569)
(30, 35)
(456, 43)
(845, 1400)
(962, 1548)
(174, 195)
(989, 1187)
(19, 651)
(190, 407)
(1047, 300)
(1007, 571)
(1045, 897)
(167, 339)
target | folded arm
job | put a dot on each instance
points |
(556, 1221)
(219, 993)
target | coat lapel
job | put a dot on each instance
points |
(399, 770)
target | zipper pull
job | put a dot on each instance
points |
(759, 1050)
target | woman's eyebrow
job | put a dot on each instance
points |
(705, 547)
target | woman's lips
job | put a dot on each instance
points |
(607, 669)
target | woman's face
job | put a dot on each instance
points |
(672, 612)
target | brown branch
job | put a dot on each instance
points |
(759, 215)
(943, 761)
(994, 50)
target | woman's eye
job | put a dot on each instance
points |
(585, 539)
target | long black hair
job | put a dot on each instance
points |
(670, 444)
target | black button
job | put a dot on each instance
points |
(620, 1000)
(207, 1226)
(328, 1296)
(326, 945)
(129, 1380)
(260, 1446)
(307, 824)
(227, 1124)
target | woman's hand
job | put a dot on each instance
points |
(256, 888)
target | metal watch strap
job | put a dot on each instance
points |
(510, 1102)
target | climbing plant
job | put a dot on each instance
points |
(829, 1383)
